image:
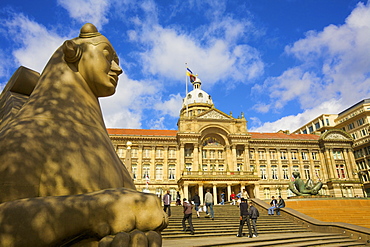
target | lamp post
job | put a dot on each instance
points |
(128, 158)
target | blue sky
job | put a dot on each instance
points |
(280, 62)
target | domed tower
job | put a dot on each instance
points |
(196, 101)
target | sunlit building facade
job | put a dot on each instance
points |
(213, 150)
(355, 121)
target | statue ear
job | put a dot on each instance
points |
(72, 51)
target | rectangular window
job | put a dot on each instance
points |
(172, 153)
(171, 172)
(188, 166)
(274, 174)
(204, 168)
(212, 154)
(363, 132)
(159, 153)
(263, 172)
(360, 122)
(261, 154)
(337, 154)
(221, 168)
(306, 170)
(134, 171)
(310, 129)
(283, 155)
(188, 152)
(220, 154)
(266, 192)
(318, 172)
(304, 131)
(204, 154)
(314, 155)
(327, 122)
(294, 154)
(340, 171)
(251, 154)
(239, 167)
(120, 152)
(295, 169)
(285, 172)
(239, 153)
(146, 171)
(251, 167)
(159, 172)
(350, 126)
(146, 153)
(133, 153)
(304, 155)
(317, 125)
(273, 154)
(354, 136)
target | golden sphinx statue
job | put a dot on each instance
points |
(61, 181)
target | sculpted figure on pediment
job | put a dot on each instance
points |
(61, 181)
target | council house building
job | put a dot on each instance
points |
(213, 150)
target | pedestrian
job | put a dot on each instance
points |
(280, 204)
(239, 197)
(273, 204)
(244, 218)
(187, 216)
(208, 200)
(196, 200)
(178, 199)
(167, 203)
(245, 194)
(223, 198)
(253, 215)
(232, 198)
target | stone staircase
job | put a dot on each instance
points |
(272, 230)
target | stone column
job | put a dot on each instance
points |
(140, 163)
(152, 164)
(201, 193)
(182, 158)
(228, 192)
(228, 158)
(128, 158)
(233, 158)
(186, 191)
(196, 157)
(215, 194)
(246, 158)
(165, 163)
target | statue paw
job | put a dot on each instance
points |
(134, 238)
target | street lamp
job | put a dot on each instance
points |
(128, 157)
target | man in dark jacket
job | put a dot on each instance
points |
(187, 216)
(280, 204)
(244, 218)
(253, 214)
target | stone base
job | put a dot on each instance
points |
(310, 197)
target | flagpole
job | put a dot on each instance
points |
(186, 86)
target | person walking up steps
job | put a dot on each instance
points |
(244, 218)
(208, 201)
(196, 200)
(188, 214)
(253, 215)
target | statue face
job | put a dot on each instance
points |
(99, 66)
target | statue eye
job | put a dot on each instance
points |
(108, 55)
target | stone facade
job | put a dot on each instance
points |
(355, 120)
(213, 150)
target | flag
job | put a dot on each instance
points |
(191, 75)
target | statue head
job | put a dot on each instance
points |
(296, 175)
(92, 55)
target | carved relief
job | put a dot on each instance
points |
(213, 115)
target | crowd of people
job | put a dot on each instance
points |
(248, 213)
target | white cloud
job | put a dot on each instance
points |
(334, 66)
(171, 107)
(36, 44)
(93, 11)
(293, 122)
(125, 108)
